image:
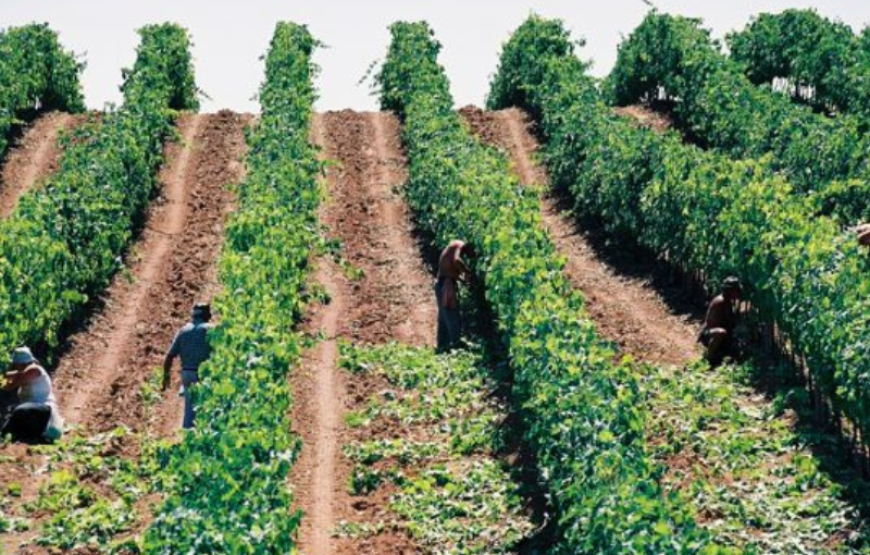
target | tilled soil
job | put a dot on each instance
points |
(172, 265)
(380, 292)
(35, 156)
(627, 308)
(170, 268)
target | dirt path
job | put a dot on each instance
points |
(627, 309)
(380, 291)
(34, 158)
(320, 393)
(99, 376)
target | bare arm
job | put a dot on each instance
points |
(174, 351)
(716, 314)
(464, 272)
(14, 380)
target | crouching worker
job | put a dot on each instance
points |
(36, 416)
(718, 333)
(863, 234)
(451, 271)
(191, 344)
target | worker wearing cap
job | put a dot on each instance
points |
(863, 233)
(718, 333)
(37, 416)
(191, 344)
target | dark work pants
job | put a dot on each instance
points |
(449, 324)
(28, 422)
(188, 378)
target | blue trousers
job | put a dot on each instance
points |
(188, 378)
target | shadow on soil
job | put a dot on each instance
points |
(774, 375)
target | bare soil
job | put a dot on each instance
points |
(380, 292)
(169, 269)
(34, 157)
(100, 374)
(646, 117)
(627, 308)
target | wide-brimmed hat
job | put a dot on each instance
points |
(22, 355)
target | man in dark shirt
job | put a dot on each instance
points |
(718, 332)
(191, 344)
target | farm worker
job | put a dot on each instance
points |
(863, 232)
(451, 270)
(191, 344)
(717, 335)
(36, 417)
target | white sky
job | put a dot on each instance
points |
(230, 36)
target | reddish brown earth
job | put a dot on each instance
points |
(646, 117)
(627, 310)
(390, 301)
(35, 156)
(172, 265)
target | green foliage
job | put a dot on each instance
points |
(167, 76)
(716, 216)
(448, 491)
(364, 480)
(448, 388)
(846, 200)
(672, 57)
(90, 526)
(583, 413)
(461, 508)
(35, 73)
(229, 489)
(80, 517)
(64, 241)
(91, 492)
(822, 60)
(750, 473)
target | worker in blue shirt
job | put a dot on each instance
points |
(191, 344)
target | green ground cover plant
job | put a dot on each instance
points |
(450, 491)
(755, 477)
(91, 499)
